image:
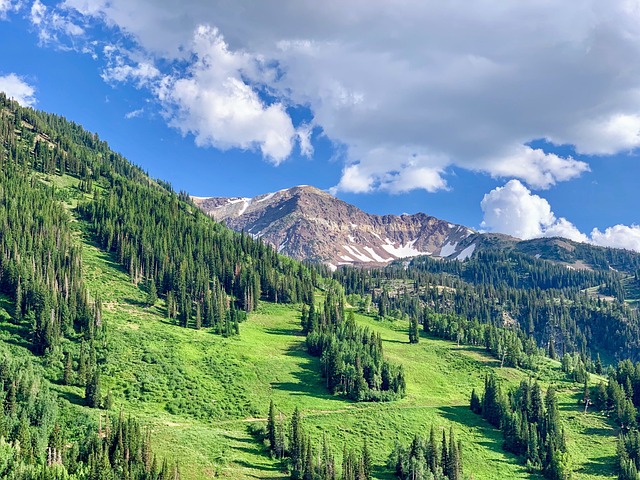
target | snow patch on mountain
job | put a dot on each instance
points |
(467, 252)
(406, 250)
(269, 196)
(448, 249)
(353, 250)
(246, 204)
(377, 257)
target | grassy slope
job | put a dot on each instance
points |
(215, 387)
(199, 392)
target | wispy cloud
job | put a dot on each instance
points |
(134, 113)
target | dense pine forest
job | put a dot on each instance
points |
(530, 425)
(564, 309)
(352, 358)
(208, 276)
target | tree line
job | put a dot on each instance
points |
(530, 425)
(544, 300)
(303, 459)
(351, 357)
(428, 458)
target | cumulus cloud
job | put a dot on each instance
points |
(215, 103)
(618, 236)
(514, 210)
(17, 88)
(435, 84)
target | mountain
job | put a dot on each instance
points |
(307, 223)
(119, 300)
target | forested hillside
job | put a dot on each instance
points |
(205, 274)
(564, 309)
(142, 340)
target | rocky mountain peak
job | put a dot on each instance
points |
(307, 223)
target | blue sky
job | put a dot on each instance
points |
(507, 116)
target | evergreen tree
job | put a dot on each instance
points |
(271, 429)
(152, 293)
(367, 464)
(296, 446)
(414, 333)
(92, 394)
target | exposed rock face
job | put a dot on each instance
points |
(310, 224)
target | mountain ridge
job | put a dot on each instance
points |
(307, 223)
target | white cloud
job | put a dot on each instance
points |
(303, 133)
(134, 113)
(469, 84)
(51, 23)
(213, 102)
(534, 166)
(142, 73)
(618, 236)
(17, 88)
(7, 6)
(565, 229)
(514, 210)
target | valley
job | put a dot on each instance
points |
(192, 334)
(200, 393)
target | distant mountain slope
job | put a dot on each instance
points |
(310, 224)
(575, 255)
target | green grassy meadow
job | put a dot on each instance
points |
(199, 392)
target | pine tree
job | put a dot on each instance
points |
(271, 428)
(414, 333)
(444, 459)
(598, 367)
(432, 451)
(453, 466)
(92, 390)
(475, 405)
(309, 473)
(367, 463)
(17, 312)
(67, 377)
(296, 445)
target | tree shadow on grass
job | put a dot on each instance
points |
(290, 332)
(134, 303)
(309, 381)
(255, 448)
(601, 432)
(390, 340)
(72, 397)
(492, 437)
(599, 467)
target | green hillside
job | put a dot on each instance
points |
(201, 392)
(117, 294)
